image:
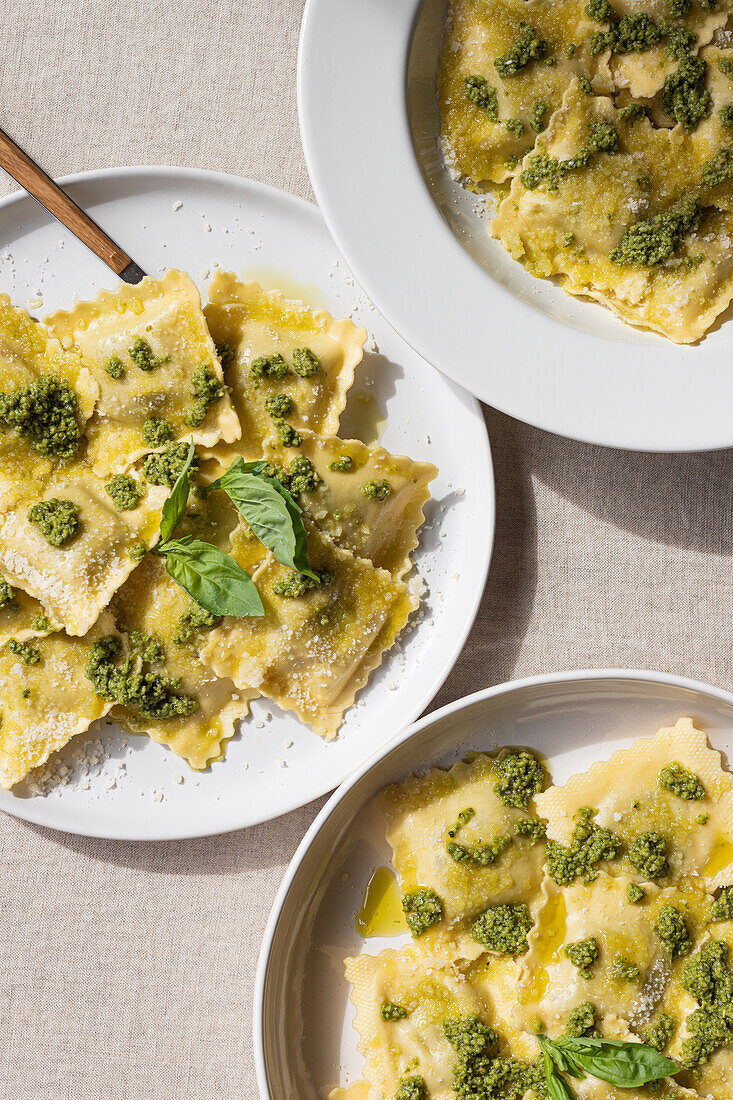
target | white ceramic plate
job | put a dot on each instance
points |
(303, 1036)
(198, 220)
(417, 243)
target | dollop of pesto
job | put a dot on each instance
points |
(685, 784)
(278, 405)
(723, 905)
(521, 776)
(543, 169)
(585, 85)
(7, 593)
(44, 413)
(479, 1073)
(660, 1032)
(583, 954)
(527, 47)
(41, 623)
(726, 67)
(719, 169)
(142, 355)
(707, 978)
(652, 242)
(635, 893)
(482, 855)
(412, 1088)
(207, 390)
(226, 354)
(708, 1030)
(503, 928)
(299, 477)
(28, 654)
(633, 112)
(599, 10)
(685, 98)
(392, 1012)
(671, 927)
(534, 828)
(137, 551)
(126, 493)
(269, 366)
(295, 585)
(57, 520)
(630, 34)
(164, 467)
(725, 114)
(287, 435)
(515, 126)
(589, 845)
(156, 432)
(582, 1022)
(193, 621)
(482, 95)
(678, 8)
(149, 648)
(305, 362)
(342, 465)
(376, 490)
(537, 119)
(648, 854)
(679, 41)
(114, 367)
(422, 909)
(624, 970)
(152, 695)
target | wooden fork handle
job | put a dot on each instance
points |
(35, 181)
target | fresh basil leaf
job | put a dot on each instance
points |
(275, 518)
(175, 506)
(618, 1062)
(212, 578)
(557, 1086)
(562, 1059)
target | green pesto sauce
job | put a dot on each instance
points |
(583, 954)
(142, 355)
(342, 465)
(41, 623)
(652, 242)
(725, 114)
(300, 476)
(515, 126)
(193, 621)
(392, 1012)
(678, 8)
(7, 592)
(207, 390)
(679, 42)
(137, 551)
(412, 1088)
(148, 647)
(527, 47)
(537, 119)
(57, 520)
(543, 169)
(269, 366)
(630, 34)
(521, 776)
(126, 493)
(164, 468)
(635, 893)
(482, 855)
(660, 1032)
(624, 970)
(585, 85)
(531, 827)
(482, 95)
(726, 67)
(422, 908)
(503, 928)
(287, 435)
(633, 112)
(114, 367)
(582, 1022)
(671, 927)
(648, 854)
(156, 432)
(707, 978)
(305, 362)
(376, 490)
(226, 354)
(589, 845)
(719, 169)
(685, 784)
(153, 695)
(28, 654)
(278, 405)
(600, 10)
(723, 905)
(44, 413)
(708, 1030)
(684, 96)
(295, 585)
(479, 1073)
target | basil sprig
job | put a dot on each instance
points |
(274, 516)
(174, 508)
(626, 1065)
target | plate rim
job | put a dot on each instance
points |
(507, 688)
(25, 807)
(414, 197)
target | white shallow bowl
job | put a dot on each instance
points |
(418, 244)
(303, 1036)
(171, 217)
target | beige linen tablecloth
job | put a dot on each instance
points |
(126, 970)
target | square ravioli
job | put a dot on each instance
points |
(453, 836)
(312, 652)
(153, 606)
(46, 699)
(380, 524)
(21, 616)
(614, 208)
(274, 349)
(671, 816)
(496, 95)
(156, 367)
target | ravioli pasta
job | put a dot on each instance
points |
(573, 934)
